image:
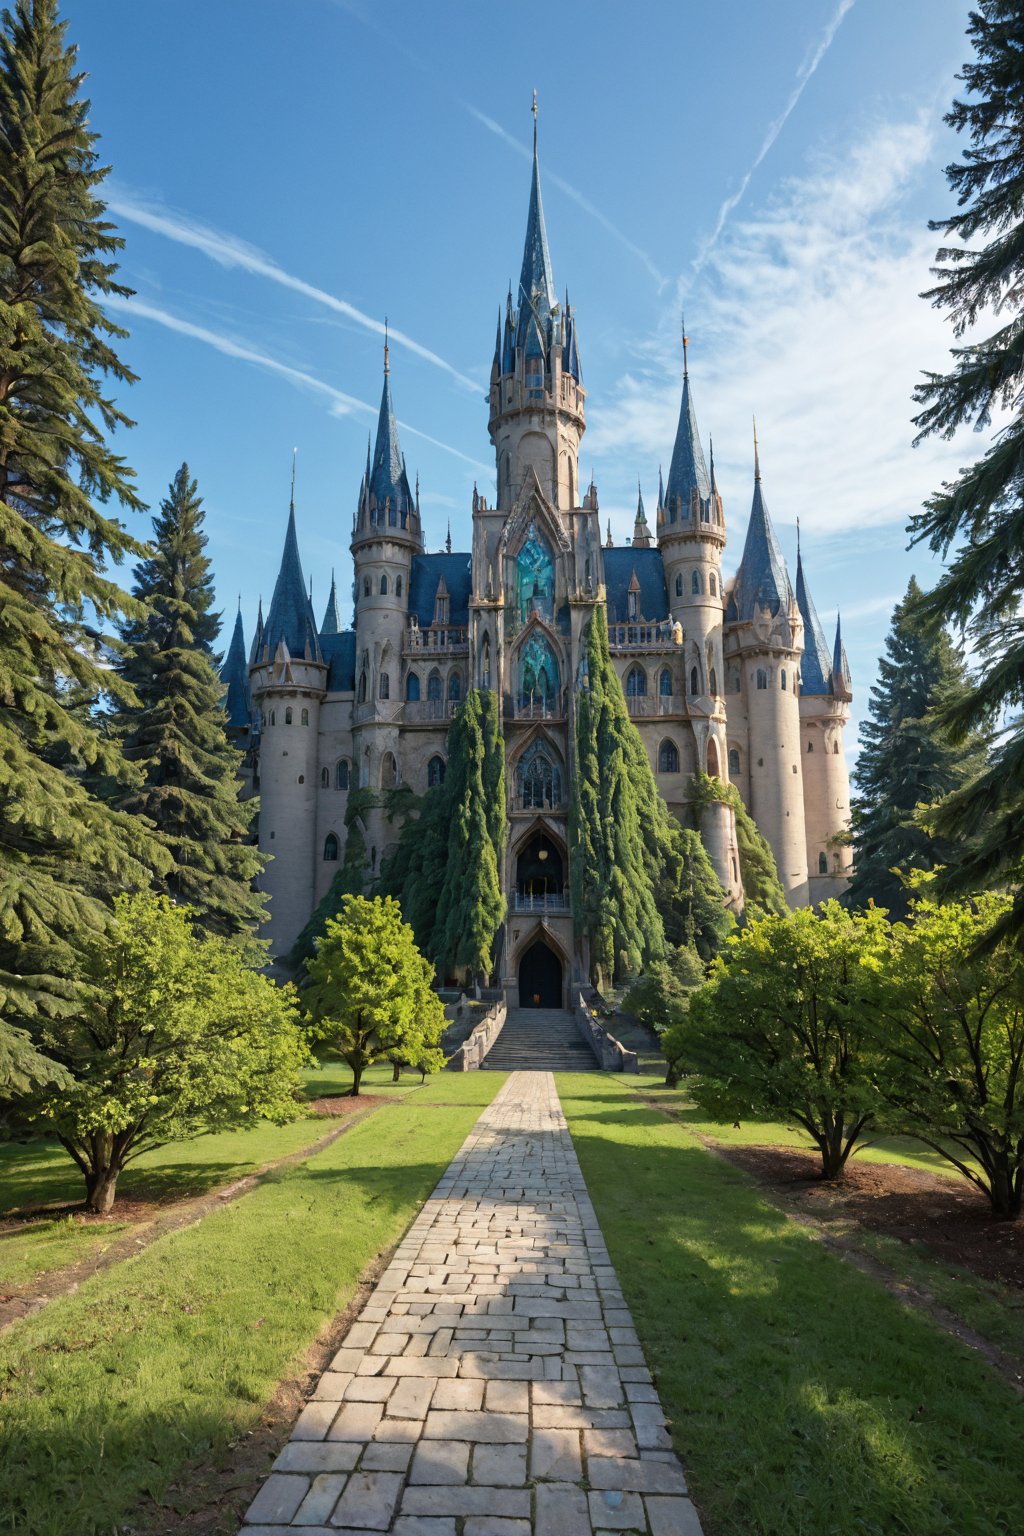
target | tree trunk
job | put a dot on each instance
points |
(1004, 1192)
(101, 1186)
(396, 1071)
(357, 1077)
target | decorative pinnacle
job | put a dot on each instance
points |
(798, 538)
(295, 455)
(686, 343)
(535, 116)
(448, 539)
(387, 365)
(757, 460)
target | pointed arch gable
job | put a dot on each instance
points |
(541, 930)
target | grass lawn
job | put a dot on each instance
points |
(108, 1395)
(41, 1173)
(804, 1399)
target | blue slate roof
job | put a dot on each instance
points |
(840, 665)
(762, 579)
(332, 615)
(424, 576)
(339, 651)
(257, 637)
(536, 295)
(816, 666)
(235, 675)
(571, 347)
(291, 614)
(388, 478)
(688, 468)
(619, 565)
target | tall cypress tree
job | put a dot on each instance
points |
(62, 851)
(619, 831)
(178, 737)
(471, 896)
(980, 515)
(908, 758)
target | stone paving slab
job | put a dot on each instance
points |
(493, 1383)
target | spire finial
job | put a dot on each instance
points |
(448, 539)
(757, 460)
(798, 538)
(535, 119)
(686, 343)
(387, 365)
(295, 455)
(239, 602)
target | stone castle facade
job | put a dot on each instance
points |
(730, 676)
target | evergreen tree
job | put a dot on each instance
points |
(907, 759)
(178, 737)
(62, 851)
(692, 900)
(349, 881)
(981, 513)
(471, 898)
(763, 894)
(619, 828)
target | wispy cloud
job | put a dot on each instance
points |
(571, 192)
(803, 75)
(341, 404)
(229, 251)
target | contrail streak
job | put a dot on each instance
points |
(341, 402)
(804, 73)
(570, 191)
(228, 251)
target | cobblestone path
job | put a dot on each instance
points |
(494, 1378)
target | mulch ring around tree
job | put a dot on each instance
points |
(947, 1215)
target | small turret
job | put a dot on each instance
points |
(641, 532)
(842, 680)
(824, 711)
(332, 614)
(234, 674)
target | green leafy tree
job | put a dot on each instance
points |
(619, 827)
(660, 998)
(908, 759)
(781, 1027)
(691, 898)
(178, 1034)
(61, 850)
(980, 515)
(471, 898)
(414, 873)
(371, 993)
(177, 735)
(951, 1042)
(762, 889)
(349, 881)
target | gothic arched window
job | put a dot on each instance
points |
(434, 686)
(783, 678)
(665, 683)
(398, 586)
(822, 863)
(454, 688)
(762, 678)
(538, 672)
(383, 586)
(384, 686)
(734, 759)
(304, 717)
(412, 688)
(366, 586)
(694, 682)
(713, 683)
(435, 772)
(636, 683)
(535, 577)
(668, 757)
(288, 715)
(539, 776)
(696, 585)
(325, 778)
(341, 773)
(361, 695)
(330, 849)
(713, 584)
(388, 771)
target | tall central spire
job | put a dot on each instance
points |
(536, 297)
(388, 481)
(687, 471)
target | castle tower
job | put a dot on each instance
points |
(641, 532)
(536, 395)
(764, 650)
(288, 680)
(825, 696)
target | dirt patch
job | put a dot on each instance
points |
(151, 1219)
(946, 1215)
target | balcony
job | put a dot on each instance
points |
(649, 706)
(535, 708)
(641, 637)
(442, 641)
(425, 711)
(551, 901)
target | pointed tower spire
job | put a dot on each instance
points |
(842, 681)
(816, 665)
(388, 484)
(234, 674)
(291, 616)
(641, 532)
(687, 472)
(332, 614)
(257, 639)
(536, 297)
(757, 456)
(295, 457)
(762, 580)
(609, 543)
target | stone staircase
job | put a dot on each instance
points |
(540, 1040)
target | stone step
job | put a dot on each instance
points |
(540, 1040)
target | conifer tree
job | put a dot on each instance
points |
(471, 898)
(62, 851)
(619, 831)
(763, 894)
(907, 759)
(178, 735)
(980, 515)
(692, 901)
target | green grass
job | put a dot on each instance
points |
(40, 1173)
(804, 1399)
(108, 1395)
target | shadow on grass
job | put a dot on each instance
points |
(802, 1396)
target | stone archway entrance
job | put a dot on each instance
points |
(540, 977)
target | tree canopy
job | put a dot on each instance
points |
(759, 875)
(980, 515)
(371, 991)
(61, 849)
(176, 1033)
(908, 759)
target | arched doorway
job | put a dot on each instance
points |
(540, 977)
(539, 874)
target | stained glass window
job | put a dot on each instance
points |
(540, 779)
(538, 672)
(535, 577)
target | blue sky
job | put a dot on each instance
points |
(286, 176)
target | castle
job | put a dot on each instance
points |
(730, 677)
